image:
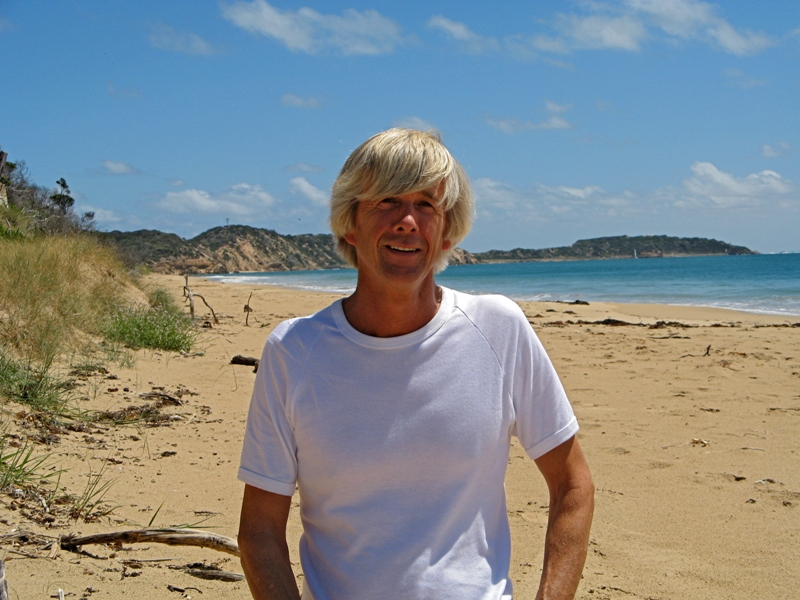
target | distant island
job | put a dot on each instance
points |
(235, 248)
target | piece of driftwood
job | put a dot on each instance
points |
(213, 314)
(247, 309)
(187, 292)
(215, 574)
(3, 582)
(169, 536)
(249, 361)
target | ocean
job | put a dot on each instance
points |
(761, 283)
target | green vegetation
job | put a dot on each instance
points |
(225, 249)
(156, 326)
(18, 466)
(63, 294)
(54, 289)
(644, 246)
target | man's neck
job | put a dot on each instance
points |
(392, 312)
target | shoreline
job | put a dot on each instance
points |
(724, 313)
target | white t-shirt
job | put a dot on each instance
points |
(399, 446)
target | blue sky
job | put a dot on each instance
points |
(574, 119)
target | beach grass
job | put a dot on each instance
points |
(54, 293)
(160, 326)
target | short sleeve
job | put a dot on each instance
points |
(544, 417)
(269, 456)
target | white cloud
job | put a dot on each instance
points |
(177, 182)
(708, 188)
(622, 25)
(469, 40)
(414, 123)
(306, 30)
(299, 101)
(300, 185)
(239, 200)
(165, 37)
(555, 121)
(114, 167)
(743, 80)
(709, 185)
(303, 168)
(599, 31)
(691, 19)
(782, 149)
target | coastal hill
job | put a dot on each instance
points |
(622, 246)
(243, 248)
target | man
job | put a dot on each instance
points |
(393, 410)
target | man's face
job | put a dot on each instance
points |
(398, 239)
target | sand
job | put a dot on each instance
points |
(692, 431)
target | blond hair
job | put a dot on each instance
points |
(395, 162)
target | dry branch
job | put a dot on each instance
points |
(3, 582)
(169, 536)
(247, 309)
(187, 291)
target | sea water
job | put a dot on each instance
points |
(760, 283)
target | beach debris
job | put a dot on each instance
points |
(247, 310)
(700, 442)
(711, 410)
(249, 361)
(163, 398)
(190, 296)
(183, 590)
(170, 536)
(766, 480)
(3, 581)
(750, 501)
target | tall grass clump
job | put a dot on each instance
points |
(162, 325)
(54, 291)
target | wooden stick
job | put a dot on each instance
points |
(247, 309)
(169, 536)
(3, 581)
(188, 293)
(216, 320)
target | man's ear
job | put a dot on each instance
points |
(446, 244)
(350, 238)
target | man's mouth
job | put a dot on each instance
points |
(401, 249)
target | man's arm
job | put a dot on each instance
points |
(571, 507)
(263, 547)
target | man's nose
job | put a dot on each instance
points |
(407, 220)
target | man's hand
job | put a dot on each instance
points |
(262, 543)
(571, 507)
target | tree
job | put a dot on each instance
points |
(61, 197)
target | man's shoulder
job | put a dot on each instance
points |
(488, 308)
(299, 333)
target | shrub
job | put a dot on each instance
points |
(156, 327)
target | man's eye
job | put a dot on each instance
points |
(388, 201)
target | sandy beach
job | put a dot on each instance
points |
(690, 419)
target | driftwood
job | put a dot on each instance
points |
(215, 574)
(248, 361)
(188, 293)
(3, 582)
(169, 536)
(247, 309)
